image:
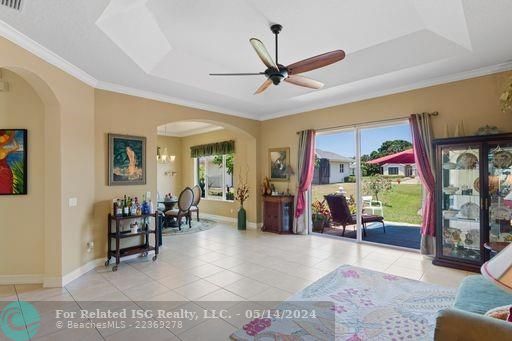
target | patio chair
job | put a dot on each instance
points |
(372, 205)
(340, 214)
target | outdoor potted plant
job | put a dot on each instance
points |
(242, 194)
(321, 215)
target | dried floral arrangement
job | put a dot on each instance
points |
(506, 97)
(242, 189)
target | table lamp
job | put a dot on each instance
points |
(498, 270)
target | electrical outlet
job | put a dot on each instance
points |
(73, 202)
(90, 246)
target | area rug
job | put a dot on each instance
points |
(197, 226)
(355, 304)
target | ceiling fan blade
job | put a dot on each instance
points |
(316, 62)
(238, 74)
(262, 52)
(305, 82)
(263, 86)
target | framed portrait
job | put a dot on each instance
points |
(279, 161)
(126, 160)
(13, 162)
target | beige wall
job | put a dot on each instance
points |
(21, 216)
(473, 101)
(244, 162)
(77, 119)
(68, 156)
(169, 183)
(123, 114)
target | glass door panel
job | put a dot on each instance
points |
(499, 198)
(461, 202)
(334, 184)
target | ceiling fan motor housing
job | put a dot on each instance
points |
(277, 76)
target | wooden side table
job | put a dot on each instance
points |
(278, 213)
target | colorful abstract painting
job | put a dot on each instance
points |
(127, 160)
(13, 161)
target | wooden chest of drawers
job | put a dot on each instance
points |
(278, 214)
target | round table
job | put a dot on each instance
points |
(169, 205)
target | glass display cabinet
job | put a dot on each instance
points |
(473, 198)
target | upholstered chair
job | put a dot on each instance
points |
(197, 198)
(185, 201)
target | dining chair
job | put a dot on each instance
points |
(185, 201)
(197, 198)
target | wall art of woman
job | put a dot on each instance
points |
(13, 161)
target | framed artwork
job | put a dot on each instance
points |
(13, 162)
(279, 161)
(126, 160)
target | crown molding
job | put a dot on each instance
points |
(484, 71)
(18, 38)
(54, 59)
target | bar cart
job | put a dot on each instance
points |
(144, 231)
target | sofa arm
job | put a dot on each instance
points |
(454, 324)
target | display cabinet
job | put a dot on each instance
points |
(473, 198)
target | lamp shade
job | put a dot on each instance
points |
(499, 269)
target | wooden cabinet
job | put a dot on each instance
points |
(278, 214)
(473, 197)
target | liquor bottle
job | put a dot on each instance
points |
(133, 208)
(119, 208)
(126, 209)
(138, 210)
(151, 208)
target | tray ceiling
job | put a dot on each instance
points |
(165, 49)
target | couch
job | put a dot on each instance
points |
(466, 320)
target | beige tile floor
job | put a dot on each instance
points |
(222, 264)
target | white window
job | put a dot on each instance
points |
(214, 174)
(342, 168)
(393, 171)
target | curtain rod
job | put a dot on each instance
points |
(435, 113)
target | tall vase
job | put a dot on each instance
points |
(242, 218)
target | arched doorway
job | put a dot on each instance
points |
(34, 219)
(223, 172)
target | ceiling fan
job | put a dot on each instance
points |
(276, 72)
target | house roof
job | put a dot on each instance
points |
(404, 157)
(323, 154)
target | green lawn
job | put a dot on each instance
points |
(401, 204)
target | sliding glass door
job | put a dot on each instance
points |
(365, 185)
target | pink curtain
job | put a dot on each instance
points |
(423, 157)
(306, 168)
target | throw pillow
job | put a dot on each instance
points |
(502, 313)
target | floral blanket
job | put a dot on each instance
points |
(353, 304)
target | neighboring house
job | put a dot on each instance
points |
(400, 164)
(331, 167)
(403, 169)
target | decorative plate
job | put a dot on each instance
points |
(494, 184)
(499, 213)
(467, 160)
(470, 211)
(502, 159)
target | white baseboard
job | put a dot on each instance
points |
(231, 220)
(81, 270)
(21, 279)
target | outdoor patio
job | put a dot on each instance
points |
(397, 234)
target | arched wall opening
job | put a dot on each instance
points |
(31, 224)
(177, 137)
